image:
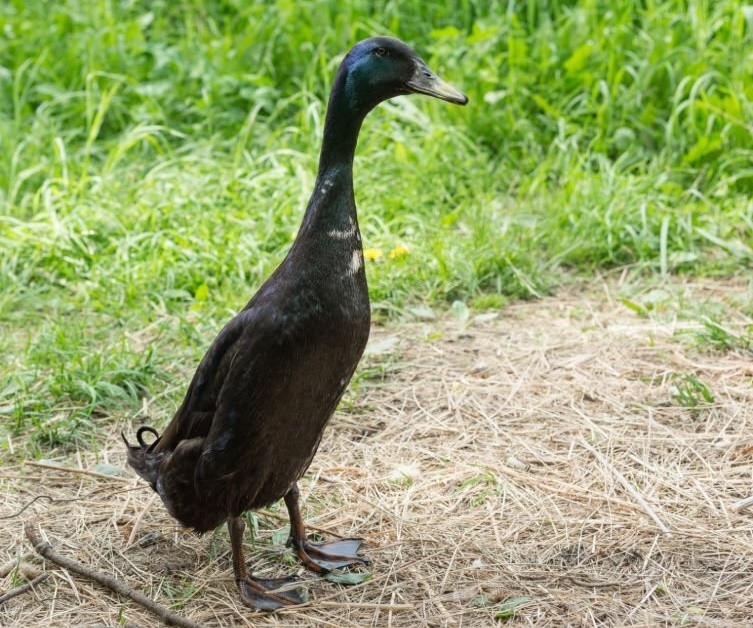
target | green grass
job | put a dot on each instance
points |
(155, 158)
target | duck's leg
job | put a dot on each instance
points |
(258, 593)
(319, 557)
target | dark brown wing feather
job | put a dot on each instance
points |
(195, 415)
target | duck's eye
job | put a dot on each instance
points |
(381, 52)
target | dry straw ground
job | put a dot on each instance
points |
(535, 455)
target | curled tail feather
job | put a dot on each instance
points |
(142, 458)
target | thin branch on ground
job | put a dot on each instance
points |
(43, 548)
(9, 595)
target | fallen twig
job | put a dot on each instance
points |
(8, 595)
(43, 548)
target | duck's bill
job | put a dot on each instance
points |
(424, 81)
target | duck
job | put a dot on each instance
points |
(254, 412)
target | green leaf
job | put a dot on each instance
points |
(702, 148)
(107, 469)
(655, 297)
(448, 32)
(578, 59)
(383, 346)
(546, 107)
(348, 577)
(460, 311)
(202, 292)
(636, 307)
(422, 313)
(280, 537)
(480, 601)
(482, 33)
(508, 608)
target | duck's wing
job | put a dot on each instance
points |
(195, 415)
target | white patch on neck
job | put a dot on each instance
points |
(326, 186)
(343, 234)
(355, 262)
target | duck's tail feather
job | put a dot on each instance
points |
(171, 473)
(142, 458)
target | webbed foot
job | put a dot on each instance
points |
(269, 595)
(324, 557)
(319, 557)
(263, 594)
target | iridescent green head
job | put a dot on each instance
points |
(379, 68)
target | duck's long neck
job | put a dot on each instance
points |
(332, 204)
(341, 127)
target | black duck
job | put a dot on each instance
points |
(254, 413)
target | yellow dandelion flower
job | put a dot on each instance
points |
(372, 254)
(398, 252)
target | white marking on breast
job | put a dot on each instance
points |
(344, 234)
(355, 262)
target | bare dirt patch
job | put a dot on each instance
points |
(539, 460)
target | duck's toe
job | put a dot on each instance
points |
(266, 594)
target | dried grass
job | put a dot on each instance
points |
(537, 455)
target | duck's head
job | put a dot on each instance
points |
(379, 68)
